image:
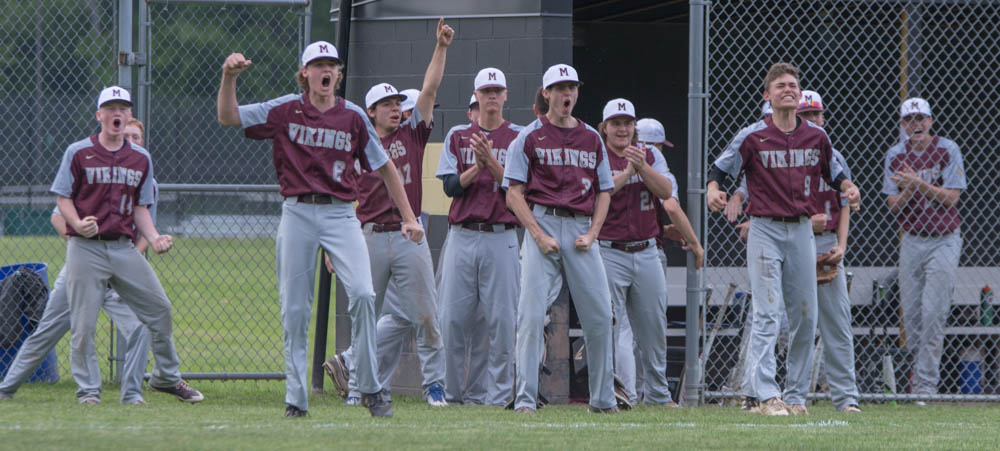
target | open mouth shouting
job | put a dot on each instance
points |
(326, 80)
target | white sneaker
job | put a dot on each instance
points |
(353, 401)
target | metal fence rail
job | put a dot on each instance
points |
(864, 58)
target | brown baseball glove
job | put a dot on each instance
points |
(825, 273)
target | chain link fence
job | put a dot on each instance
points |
(218, 193)
(865, 58)
(54, 58)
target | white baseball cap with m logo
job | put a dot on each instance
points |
(915, 105)
(114, 93)
(490, 77)
(317, 50)
(618, 107)
(558, 74)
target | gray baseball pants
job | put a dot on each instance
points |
(408, 265)
(781, 259)
(541, 280)
(834, 323)
(481, 273)
(55, 323)
(474, 355)
(303, 229)
(90, 266)
(927, 267)
(639, 292)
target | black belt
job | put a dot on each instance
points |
(630, 247)
(100, 237)
(379, 228)
(783, 218)
(322, 199)
(484, 227)
(561, 212)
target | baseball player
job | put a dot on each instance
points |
(317, 138)
(628, 250)
(55, 322)
(780, 156)
(481, 266)
(924, 178)
(650, 134)
(558, 185)
(104, 187)
(408, 265)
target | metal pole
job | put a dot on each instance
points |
(325, 277)
(695, 194)
(119, 342)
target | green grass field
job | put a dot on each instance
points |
(248, 415)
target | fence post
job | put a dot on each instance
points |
(695, 195)
(119, 343)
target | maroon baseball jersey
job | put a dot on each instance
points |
(828, 200)
(561, 167)
(940, 164)
(780, 167)
(632, 215)
(483, 200)
(314, 151)
(406, 148)
(105, 184)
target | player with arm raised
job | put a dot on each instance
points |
(406, 264)
(924, 178)
(318, 138)
(558, 185)
(780, 156)
(480, 268)
(104, 188)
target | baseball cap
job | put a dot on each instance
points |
(618, 107)
(490, 77)
(411, 99)
(651, 131)
(559, 73)
(382, 91)
(766, 110)
(810, 101)
(915, 105)
(473, 101)
(112, 94)
(317, 50)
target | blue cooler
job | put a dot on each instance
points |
(48, 371)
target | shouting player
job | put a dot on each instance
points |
(481, 267)
(558, 185)
(780, 156)
(55, 321)
(318, 138)
(924, 178)
(406, 264)
(628, 249)
(104, 188)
